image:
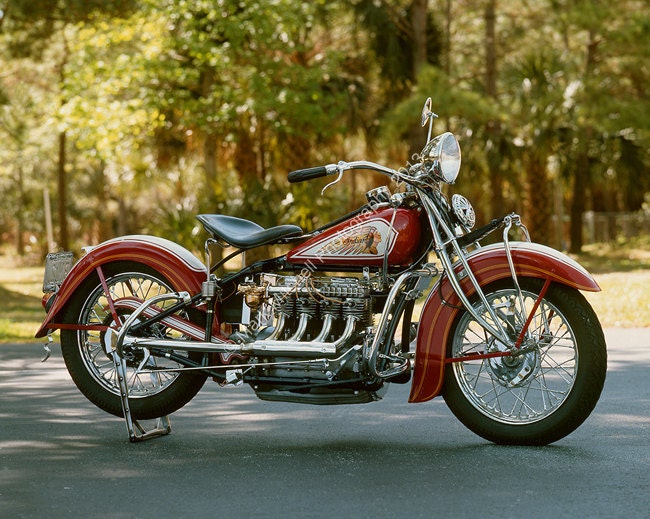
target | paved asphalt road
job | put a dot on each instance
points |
(231, 455)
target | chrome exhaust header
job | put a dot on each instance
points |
(117, 341)
(304, 348)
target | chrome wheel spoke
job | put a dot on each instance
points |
(141, 380)
(524, 388)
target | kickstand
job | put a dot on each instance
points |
(137, 433)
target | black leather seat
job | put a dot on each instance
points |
(244, 233)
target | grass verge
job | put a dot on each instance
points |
(622, 269)
(20, 294)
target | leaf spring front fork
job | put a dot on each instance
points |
(509, 220)
(437, 221)
(497, 330)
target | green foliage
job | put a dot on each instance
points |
(174, 107)
(33, 23)
(392, 43)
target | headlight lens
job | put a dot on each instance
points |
(441, 157)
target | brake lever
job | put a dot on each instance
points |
(341, 167)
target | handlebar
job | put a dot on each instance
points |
(301, 175)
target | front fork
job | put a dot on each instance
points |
(497, 329)
(411, 284)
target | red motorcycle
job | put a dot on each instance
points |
(504, 334)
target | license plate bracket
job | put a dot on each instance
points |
(57, 266)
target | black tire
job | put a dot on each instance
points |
(541, 396)
(151, 394)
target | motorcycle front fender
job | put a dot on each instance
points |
(179, 266)
(488, 264)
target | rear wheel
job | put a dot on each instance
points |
(541, 394)
(153, 392)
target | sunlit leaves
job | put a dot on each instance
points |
(105, 85)
(153, 94)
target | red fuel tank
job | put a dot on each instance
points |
(363, 240)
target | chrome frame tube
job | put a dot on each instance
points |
(435, 217)
(373, 353)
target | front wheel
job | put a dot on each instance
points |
(545, 391)
(155, 389)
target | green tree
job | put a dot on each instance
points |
(25, 156)
(609, 105)
(267, 81)
(150, 111)
(35, 28)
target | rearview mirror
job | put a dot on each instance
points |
(427, 117)
(426, 112)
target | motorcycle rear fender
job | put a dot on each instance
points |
(179, 266)
(488, 264)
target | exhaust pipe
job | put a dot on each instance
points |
(263, 347)
(302, 328)
(117, 341)
(327, 327)
(300, 348)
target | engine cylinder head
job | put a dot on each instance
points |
(360, 308)
(307, 305)
(285, 305)
(331, 307)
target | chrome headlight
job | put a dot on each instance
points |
(463, 211)
(441, 157)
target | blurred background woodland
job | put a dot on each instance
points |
(132, 116)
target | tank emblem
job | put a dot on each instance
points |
(368, 239)
(364, 240)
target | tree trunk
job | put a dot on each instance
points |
(490, 49)
(246, 165)
(210, 169)
(418, 15)
(62, 181)
(209, 146)
(493, 128)
(20, 214)
(539, 207)
(61, 177)
(581, 173)
(419, 28)
(210, 172)
(448, 39)
(578, 196)
(104, 218)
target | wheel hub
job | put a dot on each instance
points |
(512, 371)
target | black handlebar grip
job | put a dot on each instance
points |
(301, 175)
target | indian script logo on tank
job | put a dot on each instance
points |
(372, 238)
